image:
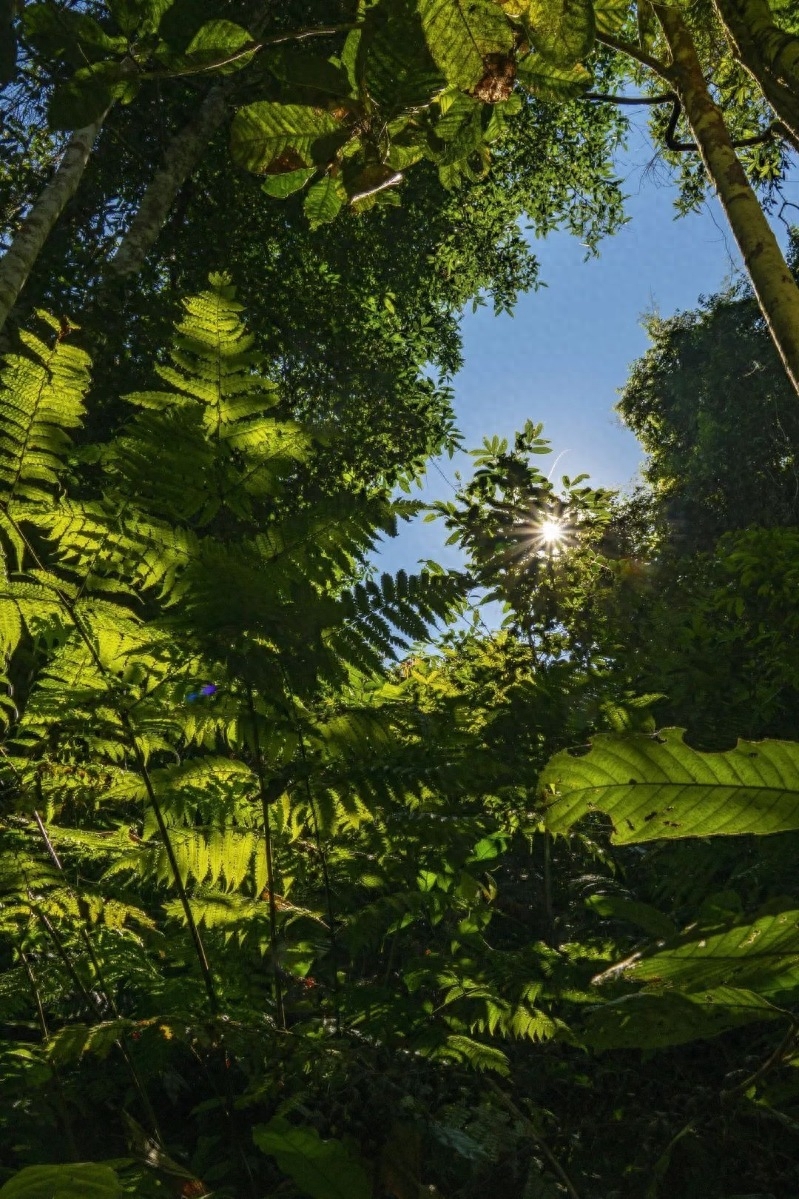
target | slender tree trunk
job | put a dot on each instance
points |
(20, 258)
(183, 155)
(777, 49)
(775, 288)
(782, 99)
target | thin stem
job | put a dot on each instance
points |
(270, 873)
(63, 1111)
(535, 1136)
(194, 932)
(253, 48)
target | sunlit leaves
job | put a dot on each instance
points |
(278, 137)
(562, 31)
(658, 787)
(222, 45)
(548, 81)
(83, 1180)
(465, 37)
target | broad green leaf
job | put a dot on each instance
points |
(611, 15)
(656, 923)
(89, 94)
(221, 44)
(656, 1019)
(72, 36)
(324, 201)
(394, 61)
(294, 66)
(562, 31)
(547, 81)
(142, 16)
(265, 133)
(320, 1169)
(464, 36)
(84, 1180)
(658, 787)
(760, 955)
(285, 185)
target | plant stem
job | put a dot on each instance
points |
(270, 874)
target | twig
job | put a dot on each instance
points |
(535, 1136)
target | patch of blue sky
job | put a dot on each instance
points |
(565, 353)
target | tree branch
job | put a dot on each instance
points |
(664, 98)
(646, 60)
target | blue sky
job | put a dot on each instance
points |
(566, 351)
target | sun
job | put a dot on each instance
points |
(552, 532)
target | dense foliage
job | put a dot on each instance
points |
(312, 883)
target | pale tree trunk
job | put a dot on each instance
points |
(778, 50)
(20, 258)
(181, 159)
(783, 99)
(774, 286)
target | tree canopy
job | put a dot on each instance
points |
(314, 881)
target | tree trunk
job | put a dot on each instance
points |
(782, 99)
(20, 258)
(183, 155)
(778, 50)
(774, 286)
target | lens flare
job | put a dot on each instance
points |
(552, 532)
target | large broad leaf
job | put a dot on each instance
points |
(611, 15)
(324, 201)
(760, 955)
(142, 16)
(562, 31)
(268, 135)
(465, 37)
(321, 1169)
(393, 59)
(547, 81)
(656, 1019)
(84, 1180)
(90, 93)
(658, 787)
(221, 44)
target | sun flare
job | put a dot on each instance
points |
(552, 532)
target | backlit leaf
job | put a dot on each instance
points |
(462, 35)
(658, 787)
(562, 31)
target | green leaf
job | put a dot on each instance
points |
(394, 61)
(611, 15)
(294, 66)
(656, 923)
(84, 1180)
(547, 81)
(266, 133)
(72, 36)
(89, 93)
(658, 787)
(562, 31)
(138, 16)
(217, 41)
(321, 1169)
(324, 201)
(288, 183)
(462, 35)
(761, 955)
(656, 1019)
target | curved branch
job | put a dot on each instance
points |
(646, 60)
(774, 131)
(663, 98)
